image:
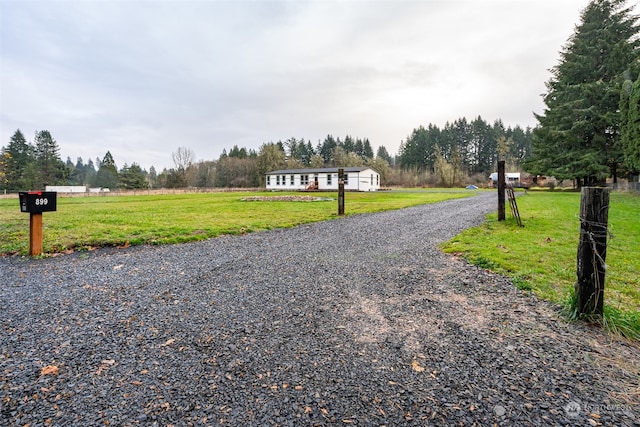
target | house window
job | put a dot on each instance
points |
(277, 179)
(304, 179)
(371, 180)
(329, 176)
(292, 179)
(268, 179)
(346, 179)
(377, 179)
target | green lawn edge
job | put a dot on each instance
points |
(86, 223)
(541, 256)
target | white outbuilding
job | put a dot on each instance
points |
(323, 179)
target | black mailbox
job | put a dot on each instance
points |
(37, 201)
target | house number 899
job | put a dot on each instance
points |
(41, 202)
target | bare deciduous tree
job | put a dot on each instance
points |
(182, 158)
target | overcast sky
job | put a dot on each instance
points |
(142, 78)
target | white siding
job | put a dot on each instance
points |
(365, 180)
(66, 188)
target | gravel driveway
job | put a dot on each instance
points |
(355, 321)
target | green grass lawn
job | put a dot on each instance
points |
(542, 255)
(81, 223)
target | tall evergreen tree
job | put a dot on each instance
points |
(107, 175)
(240, 153)
(418, 150)
(132, 177)
(326, 149)
(19, 156)
(630, 125)
(578, 136)
(79, 176)
(47, 159)
(483, 146)
(367, 149)
(384, 154)
(90, 173)
(349, 145)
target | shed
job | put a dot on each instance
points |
(511, 177)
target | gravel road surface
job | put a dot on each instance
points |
(354, 321)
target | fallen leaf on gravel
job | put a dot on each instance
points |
(136, 382)
(104, 364)
(49, 370)
(169, 342)
(416, 366)
(118, 267)
(298, 387)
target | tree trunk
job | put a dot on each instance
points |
(592, 250)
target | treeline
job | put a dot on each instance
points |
(241, 167)
(34, 165)
(463, 151)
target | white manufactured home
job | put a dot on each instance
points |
(323, 179)
(66, 188)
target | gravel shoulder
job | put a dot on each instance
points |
(358, 321)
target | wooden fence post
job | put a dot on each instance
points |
(501, 189)
(592, 250)
(340, 191)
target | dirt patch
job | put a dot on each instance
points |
(285, 199)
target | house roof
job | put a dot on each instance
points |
(317, 170)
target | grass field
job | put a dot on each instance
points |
(81, 223)
(542, 256)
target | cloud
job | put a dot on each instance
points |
(142, 78)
